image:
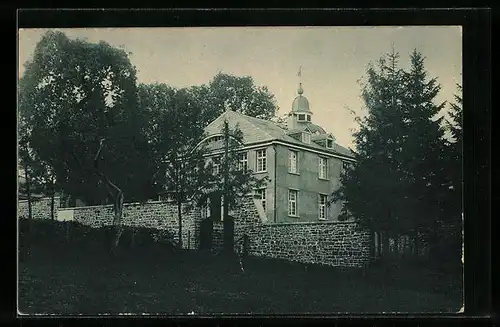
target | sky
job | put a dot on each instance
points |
(333, 60)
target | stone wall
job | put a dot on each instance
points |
(329, 243)
(40, 208)
(245, 215)
(157, 214)
(218, 236)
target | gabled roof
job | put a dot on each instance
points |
(316, 128)
(324, 136)
(256, 130)
(299, 130)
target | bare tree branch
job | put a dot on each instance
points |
(109, 185)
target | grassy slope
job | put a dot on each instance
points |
(61, 279)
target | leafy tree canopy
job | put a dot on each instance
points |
(74, 94)
(228, 92)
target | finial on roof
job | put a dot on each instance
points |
(300, 90)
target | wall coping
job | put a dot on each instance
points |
(38, 199)
(128, 204)
(312, 223)
(108, 205)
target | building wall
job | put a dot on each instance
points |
(306, 181)
(308, 184)
(270, 173)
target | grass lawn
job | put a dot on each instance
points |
(62, 280)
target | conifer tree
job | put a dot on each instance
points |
(424, 152)
(399, 183)
(232, 178)
(455, 149)
(372, 188)
(454, 203)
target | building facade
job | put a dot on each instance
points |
(303, 162)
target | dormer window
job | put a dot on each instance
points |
(329, 143)
(216, 139)
(308, 118)
(306, 138)
(301, 117)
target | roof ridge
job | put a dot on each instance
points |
(250, 121)
(213, 121)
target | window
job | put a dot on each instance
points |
(261, 195)
(216, 166)
(207, 208)
(323, 168)
(216, 139)
(243, 161)
(292, 162)
(329, 143)
(323, 200)
(292, 202)
(306, 138)
(261, 161)
(345, 165)
(302, 117)
(308, 117)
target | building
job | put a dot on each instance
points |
(303, 162)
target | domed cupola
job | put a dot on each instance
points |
(300, 103)
(300, 116)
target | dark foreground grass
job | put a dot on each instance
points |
(64, 280)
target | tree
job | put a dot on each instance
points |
(228, 92)
(233, 179)
(455, 149)
(26, 162)
(79, 99)
(179, 159)
(155, 103)
(371, 189)
(454, 166)
(396, 185)
(281, 121)
(424, 152)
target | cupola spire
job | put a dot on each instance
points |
(300, 90)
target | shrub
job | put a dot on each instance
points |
(73, 235)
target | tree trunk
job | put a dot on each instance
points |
(29, 231)
(52, 195)
(117, 220)
(225, 195)
(179, 216)
(28, 192)
(379, 244)
(373, 245)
